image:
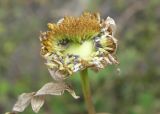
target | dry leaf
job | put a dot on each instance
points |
(56, 89)
(37, 99)
(37, 102)
(23, 101)
(52, 89)
(72, 92)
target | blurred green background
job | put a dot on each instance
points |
(133, 90)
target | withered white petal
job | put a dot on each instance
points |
(111, 24)
(60, 21)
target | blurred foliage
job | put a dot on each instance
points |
(134, 90)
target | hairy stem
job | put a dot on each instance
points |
(87, 92)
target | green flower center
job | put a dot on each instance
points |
(84, 49)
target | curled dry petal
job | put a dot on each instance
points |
(23, 101)
(110, 24)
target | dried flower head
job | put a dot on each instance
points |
(77, 43)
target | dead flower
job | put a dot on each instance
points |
(76, 43)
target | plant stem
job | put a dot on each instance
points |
(87, 92)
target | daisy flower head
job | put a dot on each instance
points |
(77, 43)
